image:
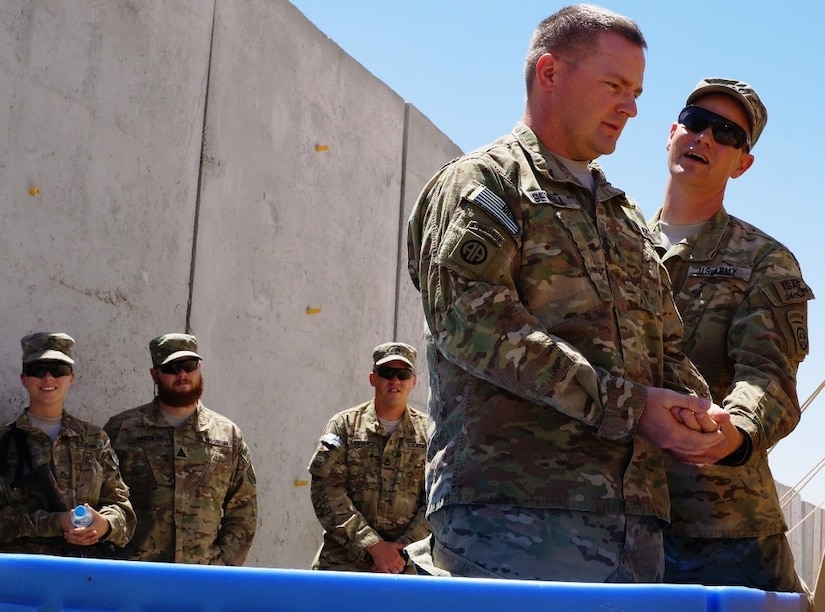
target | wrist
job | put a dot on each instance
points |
(742, 454)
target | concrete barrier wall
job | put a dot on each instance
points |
(222, 167)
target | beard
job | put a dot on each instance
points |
(179, 399)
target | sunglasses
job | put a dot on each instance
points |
(38, 369)
(390, 373)
(174, 367)
(725, 131)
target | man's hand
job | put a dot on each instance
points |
(733, 440)
(386, 557)
(697, 421)
(663, 423)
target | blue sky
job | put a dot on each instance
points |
(460, 64)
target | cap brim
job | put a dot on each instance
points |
(389, 358)
(50, 355)
(179, 355)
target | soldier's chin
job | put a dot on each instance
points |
(180, 399)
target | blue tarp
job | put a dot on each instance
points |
(45, 584)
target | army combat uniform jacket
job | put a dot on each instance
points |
(85, 471)
(193, 488)
(368, 485)
(744, 307)
(548, 314)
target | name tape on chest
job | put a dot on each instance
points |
(543, 197)
(742, 274)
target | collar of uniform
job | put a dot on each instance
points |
(709, 240)
(70, 426)
(154, 417)
(373, 423)
(548, 163)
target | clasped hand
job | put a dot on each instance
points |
(386, 557)
(692, 429)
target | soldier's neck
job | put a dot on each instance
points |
(390, 412)
(46, 411)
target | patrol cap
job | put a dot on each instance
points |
(47, 345)
(742, 93)
(170, 347)
(392, 351)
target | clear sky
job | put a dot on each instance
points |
(460, 63)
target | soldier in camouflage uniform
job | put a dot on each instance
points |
(744, 307)
(368, 473)
(50, 462)
(188, 468)
(553, 345)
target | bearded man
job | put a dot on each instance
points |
(189, 471)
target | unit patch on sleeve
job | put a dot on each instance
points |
(798, 323)
(791, 290)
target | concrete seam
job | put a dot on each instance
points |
(399, 263)
(192, 264)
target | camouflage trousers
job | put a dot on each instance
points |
(497, 541)
(764, 563)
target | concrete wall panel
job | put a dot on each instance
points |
(296, 249)
(98, 174)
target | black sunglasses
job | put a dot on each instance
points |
(38, 369)
(390, 373)
(725, 131)
(174, 367)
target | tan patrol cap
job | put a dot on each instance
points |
(170, 347)
(393, 351)
(42, 346)
(742, 93)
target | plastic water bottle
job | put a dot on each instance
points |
(81, 517)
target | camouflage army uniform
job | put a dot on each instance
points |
(537, 373)
(368, 486)
(193, 487)
(744, 307)
(85, 470)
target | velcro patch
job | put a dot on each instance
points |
(488, 232)
(742, 274)
(792, 290)
(798, 323)
(330, 441)
(543, 197)
(473, 252)
(495, 207)
(361, 443)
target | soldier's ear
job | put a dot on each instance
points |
(745, 162)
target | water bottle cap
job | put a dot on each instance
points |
(80, 510)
